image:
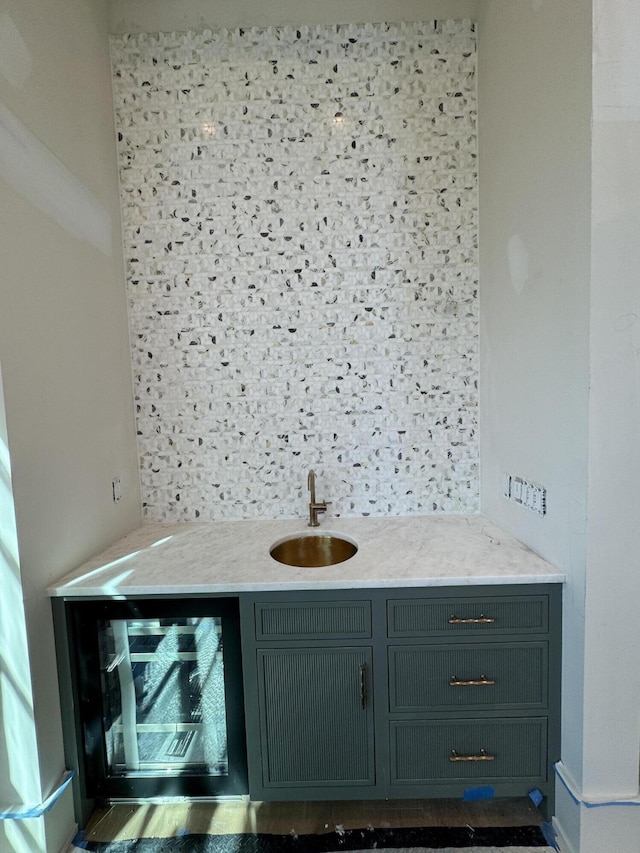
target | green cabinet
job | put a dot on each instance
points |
(450, 677)
(402, 693)
(384, 693)
(474, 690)
(513, 751)
(316, 722)
(309, 682)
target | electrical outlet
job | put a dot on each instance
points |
(529, 495)
(116, 489)
(536, 499)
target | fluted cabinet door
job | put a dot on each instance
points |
(316, 716)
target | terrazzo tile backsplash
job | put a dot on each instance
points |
(300, 231)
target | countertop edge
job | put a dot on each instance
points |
(185, 589)
(234, 557)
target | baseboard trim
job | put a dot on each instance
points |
(576, 795)
(68, 844)
(563, 842)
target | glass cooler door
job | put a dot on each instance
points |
(161, 690)
(164, 695)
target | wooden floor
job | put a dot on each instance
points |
(123, 821)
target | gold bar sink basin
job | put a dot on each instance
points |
(313, 550)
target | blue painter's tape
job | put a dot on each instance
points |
(536, 797)
(549, 835)
(482, 792)
(79, 840)
(23, 812)
(586, 803)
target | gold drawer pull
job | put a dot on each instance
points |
(474, 682)
(481, 756)
(478, 620)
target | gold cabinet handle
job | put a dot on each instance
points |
(483, 681)
(477, 620)
(363, 686)
(481, 756)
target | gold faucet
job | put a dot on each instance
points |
(315, 507)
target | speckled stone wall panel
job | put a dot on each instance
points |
(300, 231)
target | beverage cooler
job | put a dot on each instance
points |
(158, 707)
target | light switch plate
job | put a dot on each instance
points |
(506, 486)
(529, 495)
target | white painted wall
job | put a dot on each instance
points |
(548, 281)
(560, 313)
(613, 581)
(612, 685)
(535, 178)
(19, 781)
(63, 326)
(150, 16)
(534, 152)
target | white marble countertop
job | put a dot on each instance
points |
(233, 556)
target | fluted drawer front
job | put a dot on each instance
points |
(484, 676)
(307, 620)
(505, 749)
(468, 616)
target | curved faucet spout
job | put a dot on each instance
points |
(311, 485)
